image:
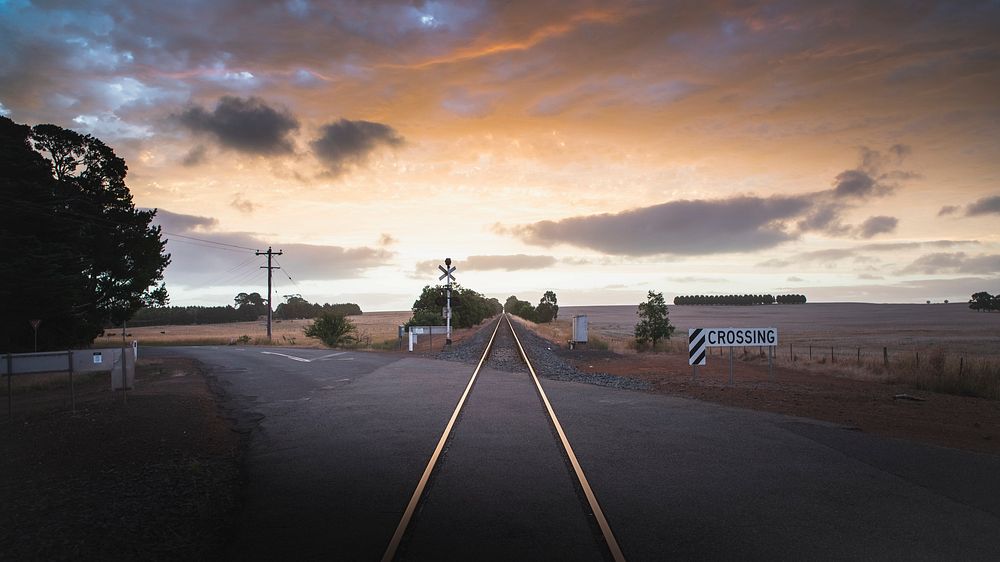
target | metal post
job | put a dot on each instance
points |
(447, 341)
(731, 380)
(10, 391)
(694, 372)
(770, 363)
(72, 389)
(124, 373)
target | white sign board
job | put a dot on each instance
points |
(98, 358)
(700, 338)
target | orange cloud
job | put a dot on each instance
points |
(538, 36)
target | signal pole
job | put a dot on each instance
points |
(269, 268)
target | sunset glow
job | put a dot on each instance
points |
(848, 151)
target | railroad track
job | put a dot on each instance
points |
(503, 352)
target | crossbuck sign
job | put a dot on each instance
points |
(446, 273)
(701, 338)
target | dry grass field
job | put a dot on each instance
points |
(902, 328)
(943, 347)
(373, 328)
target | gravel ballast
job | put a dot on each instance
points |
(546, 363)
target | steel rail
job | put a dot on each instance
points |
(602, 522)
(411, 507)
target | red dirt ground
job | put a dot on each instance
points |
(941, 419)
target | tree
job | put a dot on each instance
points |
(332, 329)
(547, 309)
(250, 306)
(85, 255)
(469, 307)
(983, 301)
(653, 323)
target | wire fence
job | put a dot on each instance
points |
(954, 367)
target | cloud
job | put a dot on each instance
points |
(242, 205)
(824, 218)
(683, 227)
(854, 183)
(516, 262)
(345, 143)
(877, 225)
(948, 210)
(743, 223)
(194, 156)
(223, 260)
(954, 262)
(176, 222)
(247, 125)
(872, 176)
(985, 206)
(386, 239)
(694, 279)
(794, 279)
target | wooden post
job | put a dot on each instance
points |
(918, 357)
(810, 352)
(885, 357)
(859, 356)
(961, 365)
(832, 360)
(791, 353)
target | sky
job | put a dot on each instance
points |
(847, 151)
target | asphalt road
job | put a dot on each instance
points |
(344, 437)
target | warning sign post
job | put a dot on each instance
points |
(700, 339)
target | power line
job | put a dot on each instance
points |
(285, 271)
(210, 241)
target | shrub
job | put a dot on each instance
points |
(332, 329)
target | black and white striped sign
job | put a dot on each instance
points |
(696, 346)
(701, 338)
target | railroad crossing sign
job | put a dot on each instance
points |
(699, 339)
(447, 273)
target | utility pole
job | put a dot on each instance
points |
(269, 268)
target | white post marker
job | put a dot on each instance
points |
(447, 273)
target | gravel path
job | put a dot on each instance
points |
(505, 357)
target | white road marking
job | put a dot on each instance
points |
(292, 357)
(304, 360)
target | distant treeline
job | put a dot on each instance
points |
(248, 307)
(738, 300)
(984, 302)
(187, 315)
(298, 307)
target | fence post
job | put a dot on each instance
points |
(961, 365)
(859, 356)
(10, 391)
(885, 357)
(791, 354)
(918, 357)
(810, 353)
(832, 360)
(72, 389)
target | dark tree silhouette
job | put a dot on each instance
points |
(80, 254)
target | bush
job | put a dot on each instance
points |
(332, 329)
